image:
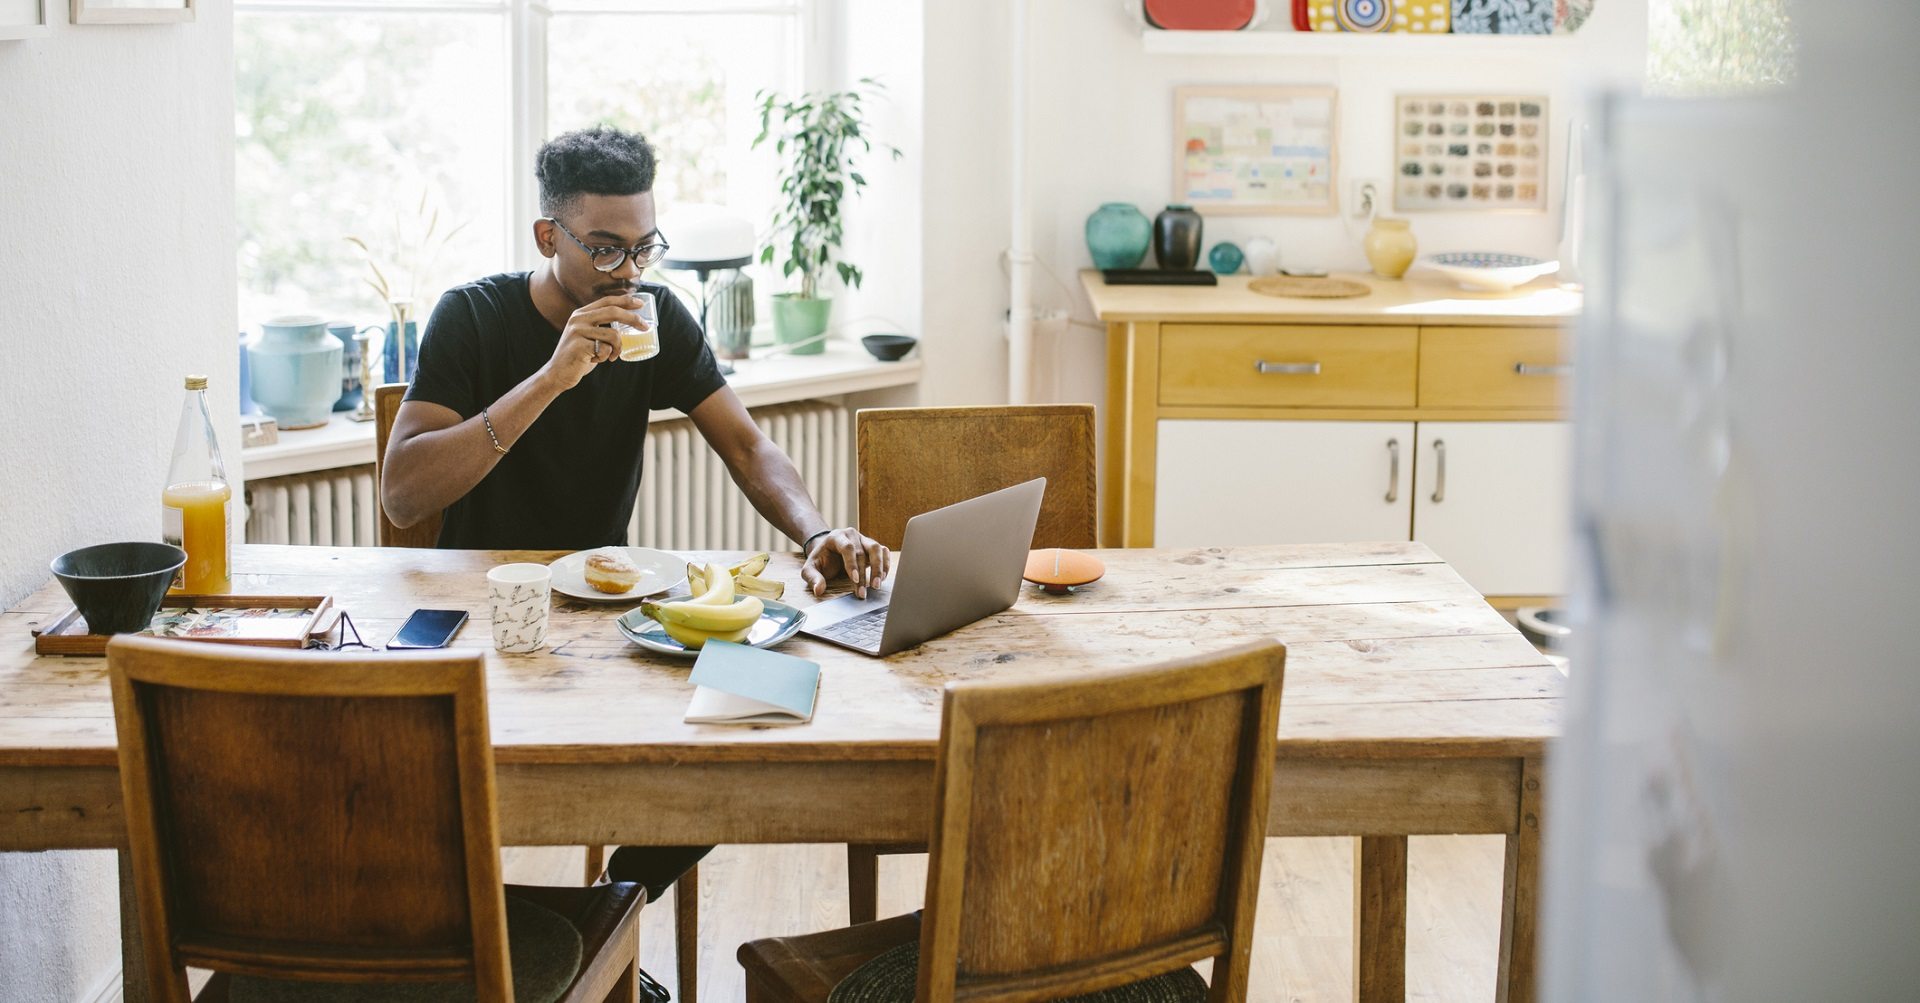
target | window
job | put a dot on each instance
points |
(1711, 47)
(412, 128)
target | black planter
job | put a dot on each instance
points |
(1176, 238)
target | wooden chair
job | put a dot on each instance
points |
(299, 818)
(916, 459)
(1087, 834)
(426, 533)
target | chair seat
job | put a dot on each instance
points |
(879, 962)
(556, 941)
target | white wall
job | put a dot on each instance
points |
(1101, 121)
(116, 278)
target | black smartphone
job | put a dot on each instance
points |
(429, 628)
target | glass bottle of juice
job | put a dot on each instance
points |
(193, 508)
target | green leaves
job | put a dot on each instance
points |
(821, 135)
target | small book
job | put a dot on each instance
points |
(739, 684)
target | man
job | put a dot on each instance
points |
(524, 427)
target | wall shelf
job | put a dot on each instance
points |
(1338, 43)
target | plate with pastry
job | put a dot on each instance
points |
(616, 574)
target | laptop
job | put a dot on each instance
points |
(962, 563)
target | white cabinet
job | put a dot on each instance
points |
(1492, 499)
(1223, 483)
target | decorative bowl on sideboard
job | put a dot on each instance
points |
(1489, 271)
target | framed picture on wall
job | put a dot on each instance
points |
(1255, 150)
(22, 18)
(131, 11)
(1470, 152)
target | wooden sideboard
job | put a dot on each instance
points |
(1420, 411)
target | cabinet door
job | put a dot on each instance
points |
(1222, 483)
(1492, 498)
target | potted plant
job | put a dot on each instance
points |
(822, 136)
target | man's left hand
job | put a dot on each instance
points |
(862, 558)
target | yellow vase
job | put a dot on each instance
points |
(1390, 247)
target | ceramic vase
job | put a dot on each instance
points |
(1176, 238)
(1390, 247)
(1226, 258)
(1263, 256)
(296, 371)
(730, 316)
(350, 389)
(800, 321)
(1118, 236)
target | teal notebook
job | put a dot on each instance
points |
(737, 684)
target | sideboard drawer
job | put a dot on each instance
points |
(1518, 367)
(1272, 365)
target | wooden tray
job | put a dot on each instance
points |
(67, 634)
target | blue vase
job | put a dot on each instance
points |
(393, 342)
(296, 371)
(350, 389)
(1226, 258)
(1118, 236)
(247, 406)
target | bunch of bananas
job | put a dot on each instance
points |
(722, 604)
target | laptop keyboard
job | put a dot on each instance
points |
(861, 631)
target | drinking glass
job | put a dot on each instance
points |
(638, 345)
(521, 595)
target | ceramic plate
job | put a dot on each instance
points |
(659, 571)
(778, 623)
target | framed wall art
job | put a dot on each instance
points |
(1255, 150)
(22, 18)
(131, 11)
(1470, 152)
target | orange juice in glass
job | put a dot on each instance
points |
(193, 505)
(636, 344)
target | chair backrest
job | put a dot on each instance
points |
(308, 815)
(1099, 829)
(918, 459)
(425, 533)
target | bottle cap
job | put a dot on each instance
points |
(196, 382)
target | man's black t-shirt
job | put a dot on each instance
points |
(570, 481)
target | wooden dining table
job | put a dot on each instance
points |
(1411, 707)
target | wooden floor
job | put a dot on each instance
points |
(1304, 934)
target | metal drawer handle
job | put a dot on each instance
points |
(1439, 471)
(1294, 368)
(1393, 471)
(1527, 369)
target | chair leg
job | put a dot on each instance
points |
(686, 933)
(596, 863)
(863, 884)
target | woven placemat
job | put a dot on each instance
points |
(1308, 288)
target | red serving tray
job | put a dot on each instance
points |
(1200, 15)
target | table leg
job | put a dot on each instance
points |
(1515, 980)
(133, 959)
(1380, 919)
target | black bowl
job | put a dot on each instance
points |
(889, 347)
(118, 586)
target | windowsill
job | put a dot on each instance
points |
(843, 368)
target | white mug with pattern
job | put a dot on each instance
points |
(521, 595)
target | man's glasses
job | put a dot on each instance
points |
(607, 259)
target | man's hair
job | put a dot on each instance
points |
(597, 161)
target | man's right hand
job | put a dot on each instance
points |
(590, 340)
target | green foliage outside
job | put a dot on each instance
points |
(1715, 47)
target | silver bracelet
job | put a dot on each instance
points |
(497, 447)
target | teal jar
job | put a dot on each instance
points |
(1118, 236)
(296, 371)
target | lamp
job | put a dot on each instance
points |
(707, 239)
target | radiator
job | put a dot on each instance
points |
(687, 500)
(325, 508)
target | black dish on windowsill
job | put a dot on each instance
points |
(889, 347)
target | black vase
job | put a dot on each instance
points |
(1176, 238)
